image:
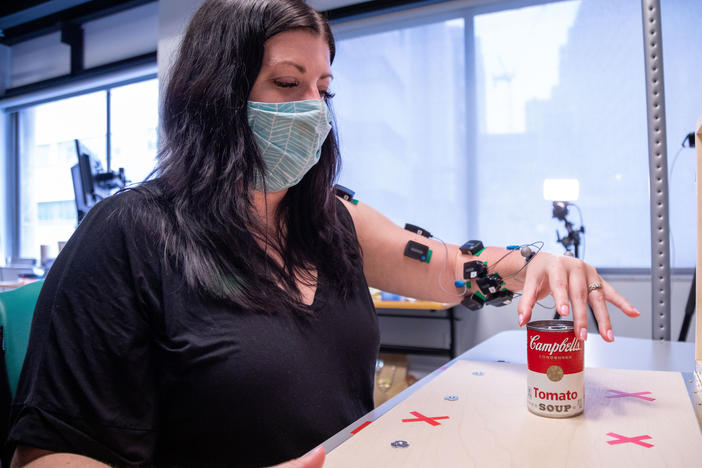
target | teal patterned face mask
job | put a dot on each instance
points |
(289, 136)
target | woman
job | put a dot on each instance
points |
(219, 315)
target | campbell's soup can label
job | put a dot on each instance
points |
(555, 377)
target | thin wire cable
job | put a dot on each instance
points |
(546, 307)
(441, 272)
(539, 245)
(533, 244)
(517, 295)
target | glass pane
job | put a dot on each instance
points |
(400, 105)
(134, 121)
(682, 64)
(560, 94)
(46, 154)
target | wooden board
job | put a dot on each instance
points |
(489, 424)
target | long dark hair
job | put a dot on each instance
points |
(209, 160)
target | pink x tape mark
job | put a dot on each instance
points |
(634, 440)
(619, 394)
(421, 417)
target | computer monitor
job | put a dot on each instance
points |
(90, 183)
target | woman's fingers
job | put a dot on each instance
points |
(529, 298)
(568, 280)
(596, 298)
(577, 291)
(611, 295)
(558, 282)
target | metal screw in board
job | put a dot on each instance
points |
(451, 397)
(478, 373)
(400, 444)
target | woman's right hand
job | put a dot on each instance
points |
(312, 459)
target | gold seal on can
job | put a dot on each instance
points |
(554, 373)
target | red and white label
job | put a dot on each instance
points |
(545, 349)
(555, 379)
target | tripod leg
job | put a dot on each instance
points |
(689, 309)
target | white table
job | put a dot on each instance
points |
(510, 346)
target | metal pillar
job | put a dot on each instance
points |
(655, 104)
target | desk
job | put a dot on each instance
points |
(7, 285)
(419, 305)
(510, 346)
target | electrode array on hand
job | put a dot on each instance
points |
(490, 285)
(491, 290)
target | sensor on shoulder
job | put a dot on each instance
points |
(343, 192)
(472, 247)
(418, 251)
(417, 230)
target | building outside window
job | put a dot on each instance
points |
(46, 152)
(454, 123)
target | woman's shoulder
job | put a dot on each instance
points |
(113, 237)
(131, 212)
(138, 197)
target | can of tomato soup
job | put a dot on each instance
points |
(555, 377)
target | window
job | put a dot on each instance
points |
(561, 95)
(400, 105)
(682, 56)
(134, 121)
(47, 212)
(456, 123)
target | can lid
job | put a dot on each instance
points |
(551, 325)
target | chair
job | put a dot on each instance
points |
(16, 312)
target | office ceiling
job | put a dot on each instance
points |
(21, 20)
(10, 7)
(24, 19)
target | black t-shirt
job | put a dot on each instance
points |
(128, 365)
